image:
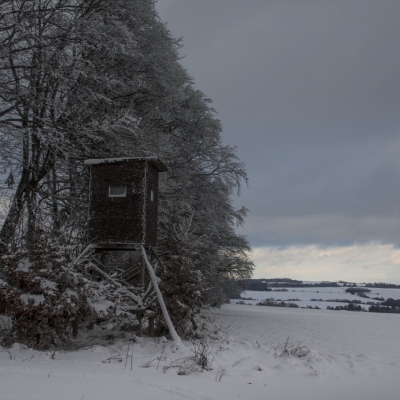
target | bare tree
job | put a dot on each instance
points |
(100, 78)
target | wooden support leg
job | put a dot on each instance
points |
(151, 257)
(75, 327)
(142, 267)
(140, 318)
(151, 326)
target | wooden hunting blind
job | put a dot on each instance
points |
(124, 202)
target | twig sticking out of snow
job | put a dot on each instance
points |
(127, 353)
(131, 359)
(175, 337)
(239, 361)
(220, 373)
(161, 356)
(201, 360)
(259, 345)
(291, 349)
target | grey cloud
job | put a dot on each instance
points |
(324, 230)
(309, 90)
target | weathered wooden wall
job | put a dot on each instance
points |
(151, 206)
(124, 220)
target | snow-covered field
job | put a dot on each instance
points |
(304, 296)
(341, 355)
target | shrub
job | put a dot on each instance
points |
(278, 303)
(42, 294)
(45, 294)
(357, 290)
(184, 290)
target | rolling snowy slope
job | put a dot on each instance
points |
(334, 355)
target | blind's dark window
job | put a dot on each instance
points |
(117, 191)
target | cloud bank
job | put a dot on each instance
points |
(372, 262)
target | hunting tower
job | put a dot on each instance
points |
(124, 202)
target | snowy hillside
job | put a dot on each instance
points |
(306, 296)
(329, 355)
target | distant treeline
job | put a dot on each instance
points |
(388, 306)
(265, 285)
(288, 280)
(271, 303)
(348, 307)
(383, 285)
(357, 290)
(384, 310)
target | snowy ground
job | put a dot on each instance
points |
(345, 355)
(304, 296)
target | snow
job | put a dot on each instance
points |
(345, 355)
(93, 161)
(24, 265)
(46, 284)
(154, 159)
(37, 298)
(102, 305)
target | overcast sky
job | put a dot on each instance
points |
(309, 91)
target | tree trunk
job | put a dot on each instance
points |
(54, 204)
(10, 224)
(31, 207)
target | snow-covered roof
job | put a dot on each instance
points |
(154, 160)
